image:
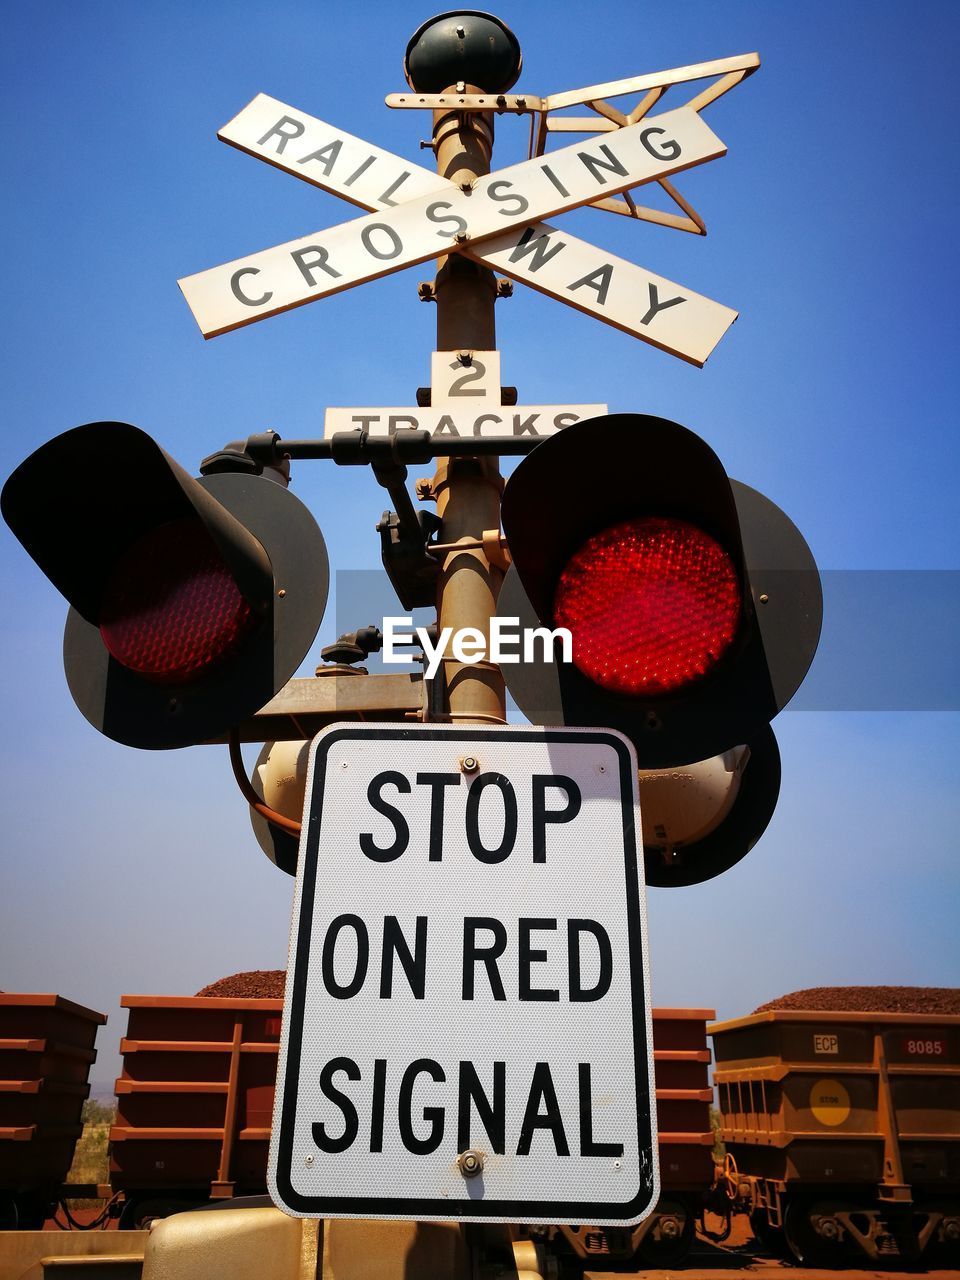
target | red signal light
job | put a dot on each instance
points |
(652, 604)
(171, 610)
(172, 636)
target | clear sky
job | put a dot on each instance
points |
(831, 231)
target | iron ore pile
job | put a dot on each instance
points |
(937, 1000)
(268, 984)
(256, 984)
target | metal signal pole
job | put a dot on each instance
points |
(467, 490)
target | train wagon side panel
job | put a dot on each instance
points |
(195, 1097)
(46, 1050)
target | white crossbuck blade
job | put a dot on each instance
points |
(502, 210)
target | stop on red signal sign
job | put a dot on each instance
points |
(466, 1028)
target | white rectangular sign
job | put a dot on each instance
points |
(455, 421)
(467, 984)
(327, 262)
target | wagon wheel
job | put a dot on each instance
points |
(32, 1212)
(139, 1212)
(767, 1235)
(669, 1239)
(806, 1243)
(943, 1247)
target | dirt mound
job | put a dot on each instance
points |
(869, 1000)
(256, 984)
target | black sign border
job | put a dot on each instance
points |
(445, 1208)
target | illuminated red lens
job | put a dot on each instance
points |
(651, 604)
(171, 610)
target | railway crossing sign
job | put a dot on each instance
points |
(466, 1031)
(418, 214)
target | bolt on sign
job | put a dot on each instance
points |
(466, 1030)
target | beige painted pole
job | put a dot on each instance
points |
(467, 489)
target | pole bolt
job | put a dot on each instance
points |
(469, 764)
(504, 288)
(470, 1163)
(461, 237)
(426, 291)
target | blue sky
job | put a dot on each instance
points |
(830, 230)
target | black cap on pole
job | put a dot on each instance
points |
(463, 45)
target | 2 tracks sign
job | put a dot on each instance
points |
(467, 1022)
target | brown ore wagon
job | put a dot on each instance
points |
(845, 1130)
(195, 1106)
(46, 1048)
(194, 1101)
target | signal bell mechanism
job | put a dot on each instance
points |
(280, 780)
(700, 819)
(192, 601)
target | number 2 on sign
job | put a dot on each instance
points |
(452, 379)
(473, 374)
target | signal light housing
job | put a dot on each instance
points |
(192, 601)
(713, 599)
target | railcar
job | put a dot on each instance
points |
(46, 1050)
(844, 1131)
(195, 1105)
